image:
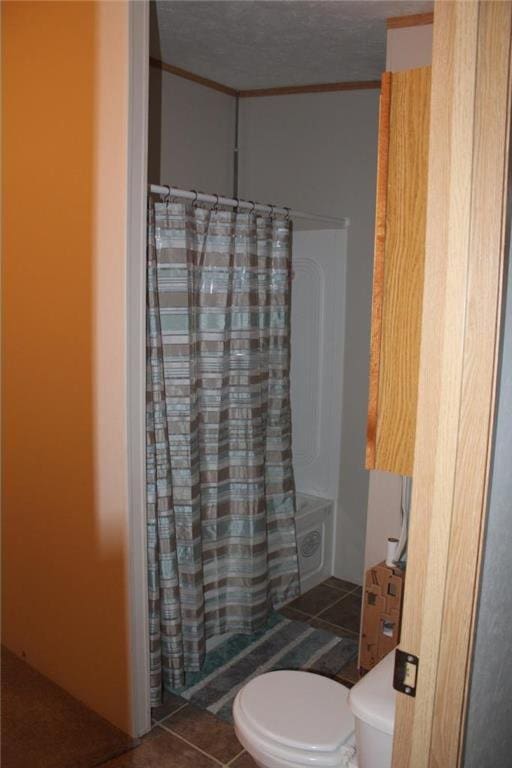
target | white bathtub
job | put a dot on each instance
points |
(314, 524)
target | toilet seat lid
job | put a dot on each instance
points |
(301, 710)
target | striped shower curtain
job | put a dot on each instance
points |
(220, 490)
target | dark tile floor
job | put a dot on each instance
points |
(334, 605)
(187, 737)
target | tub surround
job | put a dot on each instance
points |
(314, 523)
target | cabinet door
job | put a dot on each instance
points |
(398, 269)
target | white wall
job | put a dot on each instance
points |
(407, 48)
(318, 153)
(191, 134)
(384, 518)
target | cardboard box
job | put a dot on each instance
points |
(382, 614)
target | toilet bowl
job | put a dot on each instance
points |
(289, 719)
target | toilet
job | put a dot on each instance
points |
(289, 719)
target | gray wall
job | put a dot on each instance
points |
(191, 134)
(489, 723)
(315, 152)
(318, 153)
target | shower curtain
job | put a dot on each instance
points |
(220, 491)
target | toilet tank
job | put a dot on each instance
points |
(372, 701)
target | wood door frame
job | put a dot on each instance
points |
(465, 251)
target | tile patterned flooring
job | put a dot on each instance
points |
(184, 736)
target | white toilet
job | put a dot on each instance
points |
(291, 719)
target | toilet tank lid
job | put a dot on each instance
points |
(373, 698)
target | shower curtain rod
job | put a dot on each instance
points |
(202, 197)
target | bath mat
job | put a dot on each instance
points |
(281, 644)
(44, 726)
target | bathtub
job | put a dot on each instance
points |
(314, 524)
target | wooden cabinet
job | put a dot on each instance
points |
(398, 269)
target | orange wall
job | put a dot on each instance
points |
(64, 527)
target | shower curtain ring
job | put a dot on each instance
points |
(194, 201)
(167, 198)
(216, 204)
(253, 206)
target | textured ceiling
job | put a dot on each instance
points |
(262, 44)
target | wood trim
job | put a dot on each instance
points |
(461, 312)
(378, 269)
(186, 75)
(289, 90)
(352, 85)
(414, 20)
